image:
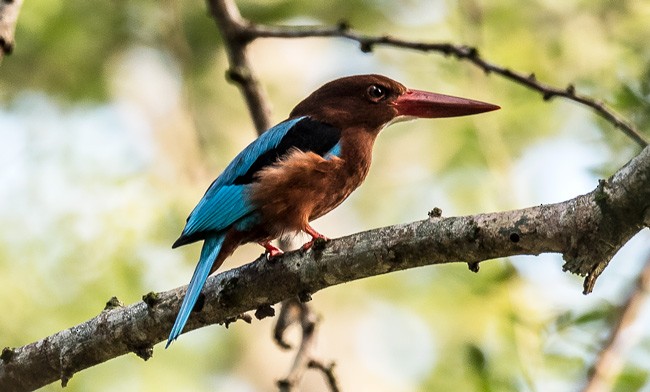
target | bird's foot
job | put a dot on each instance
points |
(315, 243)
(271, 251)
(316, 238)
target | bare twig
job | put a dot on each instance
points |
(588, 230)
(233, 28)
(612, 356)
(289, 315)
(296, 312)
(366, 43)
(9, 10)
(328, 372)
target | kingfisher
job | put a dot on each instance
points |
(301, 169)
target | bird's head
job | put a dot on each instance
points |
(373, 101)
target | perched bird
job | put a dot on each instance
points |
(301, 169)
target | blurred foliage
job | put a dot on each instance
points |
(115, 117)
(631, 380)
(634, 98)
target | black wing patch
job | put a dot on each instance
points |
(306, 135)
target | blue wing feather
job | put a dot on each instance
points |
(224, 203)
(242, 162)
(226, 200)
(334, 152)
(215, 212)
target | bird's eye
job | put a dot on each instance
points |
(376, 93)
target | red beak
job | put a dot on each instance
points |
(431, 105)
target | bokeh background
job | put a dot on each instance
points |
(116, 116)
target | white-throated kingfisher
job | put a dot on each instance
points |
(301, 169)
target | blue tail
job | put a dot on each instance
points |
(210, 251)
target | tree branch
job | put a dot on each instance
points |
(9, 10)
(588, 230)
(250, 31)
(233, 28)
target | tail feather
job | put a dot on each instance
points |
(209, 252)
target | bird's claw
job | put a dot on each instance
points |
(315, 243)
(316, 239)
(271, 251)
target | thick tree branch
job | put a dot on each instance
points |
(587, 230)
(9, 10)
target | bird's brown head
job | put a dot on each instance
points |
(372, 101)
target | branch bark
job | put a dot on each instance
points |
(586, 230)
(234, 30)
(9, 10)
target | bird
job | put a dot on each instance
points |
(300, 169)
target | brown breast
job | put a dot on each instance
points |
(305, 186)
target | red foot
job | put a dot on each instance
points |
(314, 236)
(271, 251)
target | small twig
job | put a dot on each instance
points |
(612, 356)
(461, 52)
(328, 372)
(239, 32)
(296, 312)
(289, 315)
